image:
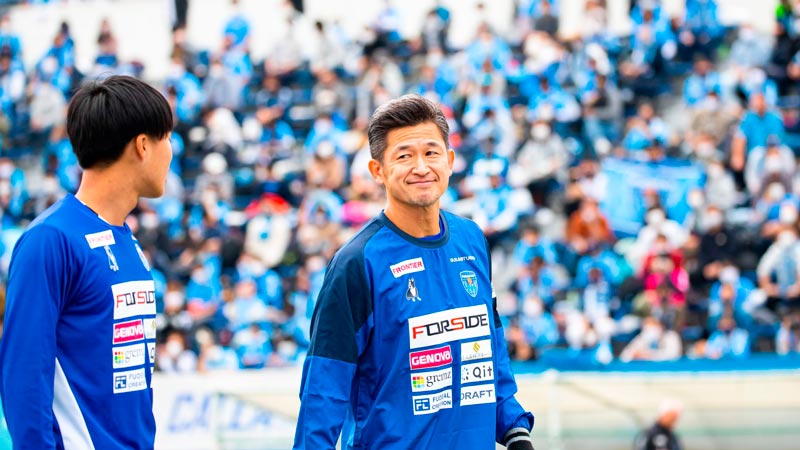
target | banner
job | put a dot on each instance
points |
(629, 181)
(242, 410)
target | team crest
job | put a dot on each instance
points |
(470, 282)
(412, 293)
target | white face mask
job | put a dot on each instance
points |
(772, 164)
(775, 192)
(655, 217)
(787, 214)
(532, 309)
(785, 238)
(173, 299)
(540, 131)
(695, 198)
(712, 220)
(173, 348)
(705, 149)
(715, 171)
(651, 333)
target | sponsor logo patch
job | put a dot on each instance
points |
(134, 298)
(407, 266)
(462, 259)
(471, 351)
(128, 331)
(446, 326)
(151, 352)
(129, 381)
(128, 356)
(472, 373)
(429, 404)
(477, 394)
(470, 282)
(149, 328)
(431, 381)
(428, 359)
(100, 239)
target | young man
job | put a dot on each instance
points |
(76, 358)
(407, 347)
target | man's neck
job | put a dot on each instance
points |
(417, 221)
(108, 193)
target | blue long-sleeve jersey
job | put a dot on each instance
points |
(407, 349)
(78, 346)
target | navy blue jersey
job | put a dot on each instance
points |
(78, 346)
(407, 349)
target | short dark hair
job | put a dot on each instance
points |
(104, 116)
(406, 111)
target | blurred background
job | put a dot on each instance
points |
(632, 163)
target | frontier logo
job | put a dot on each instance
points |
(407, 266)
(446, 326)
(427, 359)
(128, 331)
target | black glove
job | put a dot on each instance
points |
(518, 439)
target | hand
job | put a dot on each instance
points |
(521, 445)
(518, 439)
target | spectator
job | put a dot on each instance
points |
(588, 227)
(756, 126)
(727, 341)
(541, 163)
(775, 162)
(653, 343)
(788, 338)
(778, 271)
(173, 356)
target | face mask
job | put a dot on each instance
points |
(325, 149)
(540, 131)
(772, 164)
(173, 300)
(173, 348)
(775, 192)
(787, 214)
(715, 171)
(705, 149)
(785, 238)
(651, 333)
(655, 217)
(149, 221)
(6, 169)
(532, 309)
(695, 199)
(712, 220)
(746, 34)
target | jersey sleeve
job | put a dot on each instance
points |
(340, 329)
(37, 289)
(511, 417)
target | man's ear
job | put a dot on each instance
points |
(451, 157)
(376, 170)
(141, 146)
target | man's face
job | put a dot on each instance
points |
(157, 166)
(416, 166)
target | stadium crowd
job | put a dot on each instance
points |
(639, 193)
